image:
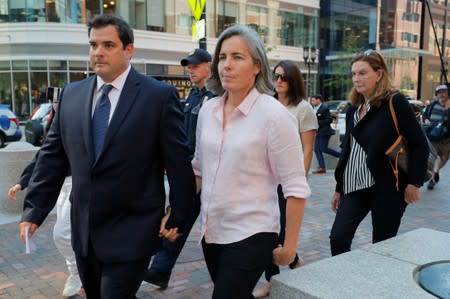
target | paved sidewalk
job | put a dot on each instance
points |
(42, 274)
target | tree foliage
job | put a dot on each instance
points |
(340, 78)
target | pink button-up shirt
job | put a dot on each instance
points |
(242, 164)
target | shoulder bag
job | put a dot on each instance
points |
(398, 151)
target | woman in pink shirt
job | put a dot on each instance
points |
(247, 144)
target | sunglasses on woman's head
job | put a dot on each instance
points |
(369, 52)
(278, 76)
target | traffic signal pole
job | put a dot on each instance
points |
(202, 41)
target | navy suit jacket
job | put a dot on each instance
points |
(118, 200)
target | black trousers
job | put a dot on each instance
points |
(235, 268)
(110, 280)
(387, 208)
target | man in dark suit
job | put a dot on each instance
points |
(324, 133)
(117, 159)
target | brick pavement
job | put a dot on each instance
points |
(42, 274)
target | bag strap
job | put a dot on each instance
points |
(393, 115)
(395, 166)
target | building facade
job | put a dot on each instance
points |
(44, 42)
(401, 30)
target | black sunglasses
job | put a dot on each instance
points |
(278, 76)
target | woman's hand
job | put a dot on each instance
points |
(335, 200)
(12, 192)
(412, 194)
(283, 256)
(170, 234)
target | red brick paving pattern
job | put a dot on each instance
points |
(42, 274)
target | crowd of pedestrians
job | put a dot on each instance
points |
(237, 154)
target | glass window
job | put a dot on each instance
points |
(136, 14)
(256, 17)
(77, 65)
(140, 67)
(155, 15)
(227, 15)
(58, 79)
(5, 65)
(39, 85)
(182, 16)
(92, 8)
(5, 89)
(20, 65)
(21, 105)
(77, 76)
(57, 65)
(38, 65)
(109, 7)
(175, 70)
(156, 69)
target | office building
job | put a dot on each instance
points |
(44, 42)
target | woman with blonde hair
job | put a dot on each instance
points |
(365, 180)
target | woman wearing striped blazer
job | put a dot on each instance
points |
(365, 180)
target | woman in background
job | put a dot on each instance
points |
(365, 180)
(290, 91)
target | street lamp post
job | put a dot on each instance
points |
(309, 56)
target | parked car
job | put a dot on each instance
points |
(34, 128)
(333, 107)
(9, 126)
(341, 110)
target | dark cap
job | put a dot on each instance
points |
(196, 57)
(441, 87)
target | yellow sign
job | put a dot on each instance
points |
(197, 7)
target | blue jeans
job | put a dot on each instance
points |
(165, 259)
(321, 146)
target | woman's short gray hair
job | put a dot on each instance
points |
(263, 81)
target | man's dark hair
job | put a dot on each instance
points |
(318, 96)
(123, 29)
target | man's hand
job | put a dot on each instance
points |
(32, 229)
(170, 234)
(412, 194)
(12, 192)
(335, 200)
(283, 256)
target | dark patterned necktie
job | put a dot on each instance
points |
(101, 119)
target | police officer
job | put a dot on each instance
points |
(198, 64)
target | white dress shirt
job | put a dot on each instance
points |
(242, 164)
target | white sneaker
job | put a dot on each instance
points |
(72, 286)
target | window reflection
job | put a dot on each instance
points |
(5, 89)
(21, 103)
(226, 15)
